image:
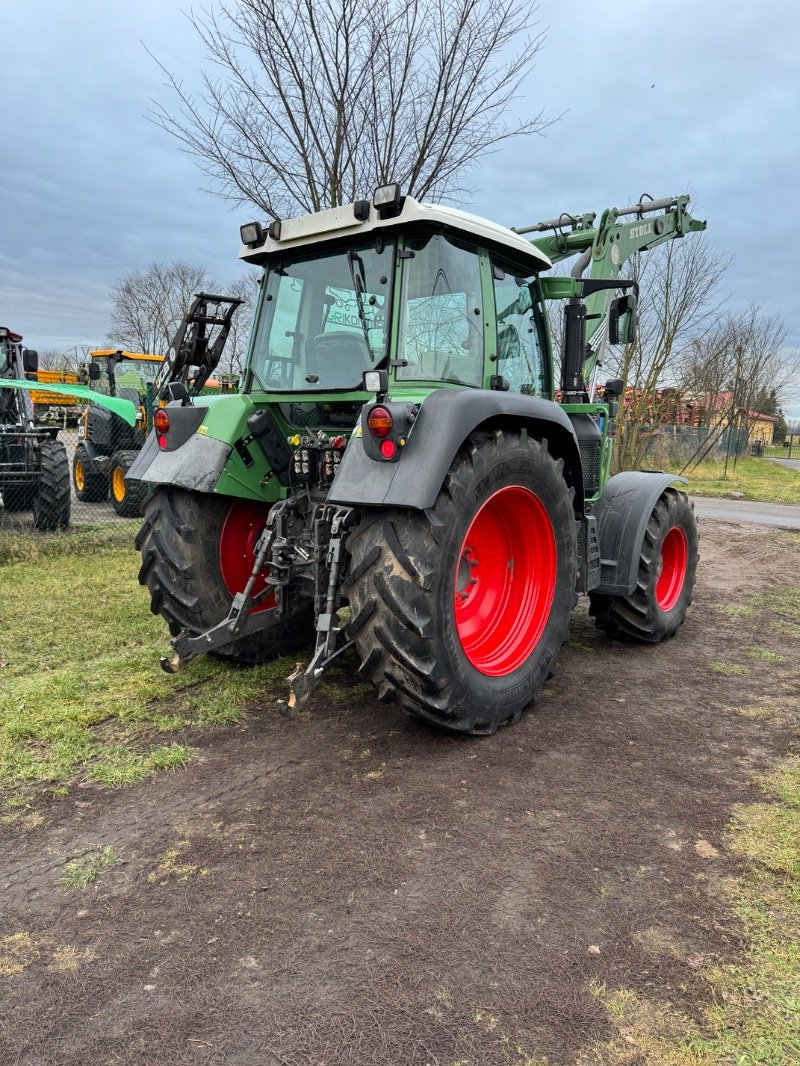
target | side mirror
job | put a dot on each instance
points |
(30, 361)
(622, 320)
(94, 372)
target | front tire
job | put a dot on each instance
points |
(51, 505)
(128, 497)
(90, 485)
(197, 552)
(459, 612)
(657, 607)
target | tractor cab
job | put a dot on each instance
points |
(119, 373)
(432, 296)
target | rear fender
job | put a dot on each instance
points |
(445, 420)
(622, 514)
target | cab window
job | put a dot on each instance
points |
(441, 323)
(100, 384)
(519, 353)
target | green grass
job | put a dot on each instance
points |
(754, 1015)
(83, 871)
(753, 479)
(729, 669)
(83, 696)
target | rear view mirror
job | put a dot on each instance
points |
(30, 361)
(622, 320)
(94, 372)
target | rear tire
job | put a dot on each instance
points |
(183, 540)
(459, 612)
(128, 497)
(657, 607)
(89, 484)
(51, 505)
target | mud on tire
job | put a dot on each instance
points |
(468, 665)
(180, 547)
(657, 607)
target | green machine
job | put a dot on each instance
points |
(404, 468)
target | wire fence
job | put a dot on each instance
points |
(71, 473)
(53, 478)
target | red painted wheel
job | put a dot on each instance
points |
(459, 611)
(672, 563)
(237, 550)
(504, 583)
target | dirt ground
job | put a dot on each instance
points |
(348, 887)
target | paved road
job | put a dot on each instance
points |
(792, 464)
(762, 514)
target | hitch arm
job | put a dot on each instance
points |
(302, 682)
(239, 622)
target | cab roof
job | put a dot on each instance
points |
(340, 223)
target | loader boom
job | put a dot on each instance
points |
(604, 248)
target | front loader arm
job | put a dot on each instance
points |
(608, 246)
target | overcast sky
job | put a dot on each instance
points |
(658, 97)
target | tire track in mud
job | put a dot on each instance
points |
(349, 887)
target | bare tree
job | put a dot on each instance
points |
(67, 361)
(314, 104)
(680, 298)
(743, 359)
(148, 305)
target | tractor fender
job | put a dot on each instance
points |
(445, 420)
(197, 467)
(622, 514)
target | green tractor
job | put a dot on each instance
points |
(405, 471)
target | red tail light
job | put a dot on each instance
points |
(161, 420)
(379, 422)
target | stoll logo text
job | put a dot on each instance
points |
(640, 231)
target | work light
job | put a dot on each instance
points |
(386, 199)
(251, 233)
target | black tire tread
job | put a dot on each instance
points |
(393, 561)
(95, 485)
(179, 545)
(637, 617)
(51, 505)
(132, 504)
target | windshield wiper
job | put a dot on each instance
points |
(359, 287)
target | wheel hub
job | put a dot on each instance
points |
(237, 550)
(671, 568)
(504, 581)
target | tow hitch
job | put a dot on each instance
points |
(284, 560)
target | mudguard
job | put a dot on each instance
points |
(622, 514)
(124, 408)
(445, 420)
(198, 467)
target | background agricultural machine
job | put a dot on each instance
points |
(108, 444)
(34, 471)
(445, 524)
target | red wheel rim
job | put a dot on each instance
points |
(505, 580)
(237, 550)
(671, 568)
